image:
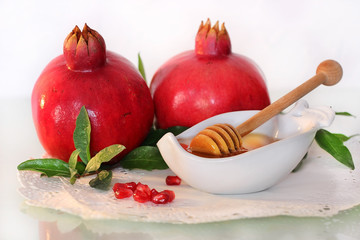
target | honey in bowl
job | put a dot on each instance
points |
(256, 140)
(249, 142)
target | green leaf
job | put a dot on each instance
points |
(72, 165)
(80, 168)
(104, 155)
(81, 135)
(153, 137)
(141, 67)
(144, 157)
(176, 130)
(47, 166)
(102, 180)
(334, 146)
(73, 159)
(155, 134)
(341, 136)
(344, 114)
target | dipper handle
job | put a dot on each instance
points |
(328, 73)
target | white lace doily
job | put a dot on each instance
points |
(322, 187)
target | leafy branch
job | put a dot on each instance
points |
(74, 169)
(333, 143)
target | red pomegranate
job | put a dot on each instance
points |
(116, 97)
(196, 85)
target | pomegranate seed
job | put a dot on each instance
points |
(128, 185)
(141, 197)
(142, 193)
(118, 185)
(160, 198)
(170, 193)
(131, 185)
(121, 193)
(173, 180)
(144, 188)
(153, 192)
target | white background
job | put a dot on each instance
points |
(287, 39)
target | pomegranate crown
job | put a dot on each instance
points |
(84, 50)
(212, 40)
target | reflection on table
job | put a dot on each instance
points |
(54, 225)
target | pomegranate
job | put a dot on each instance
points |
(207, 81)
(117, 99)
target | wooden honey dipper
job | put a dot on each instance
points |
(223, 139)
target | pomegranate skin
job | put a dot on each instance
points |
(190, 88)
(115, 95)
(210, 80)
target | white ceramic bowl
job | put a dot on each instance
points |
(255, 170)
